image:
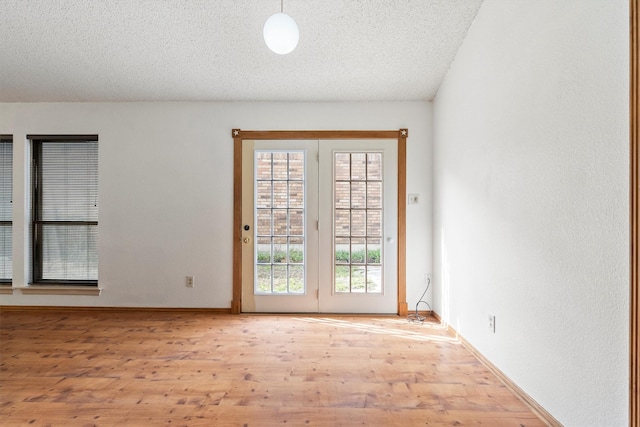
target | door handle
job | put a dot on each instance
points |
(246, 240)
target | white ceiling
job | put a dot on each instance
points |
(212, 50)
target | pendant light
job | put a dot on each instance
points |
(281, 32)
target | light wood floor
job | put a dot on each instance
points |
(130, 368)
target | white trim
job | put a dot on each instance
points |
(60, 290)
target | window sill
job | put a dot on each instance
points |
(6, 290)
(60, 290)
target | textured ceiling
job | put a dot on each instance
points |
(212, 50)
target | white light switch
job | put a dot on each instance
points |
(413, 199)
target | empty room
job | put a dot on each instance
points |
(338, 213)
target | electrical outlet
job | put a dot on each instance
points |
(189, 282)
(414, 199)
(427, 278)
(492, 323)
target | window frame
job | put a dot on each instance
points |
(3, 140)
(36, 211)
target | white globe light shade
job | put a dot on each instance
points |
(281, 33)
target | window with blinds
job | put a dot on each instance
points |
(65, 209)
(6, 208)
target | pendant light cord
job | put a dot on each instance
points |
(281, 6)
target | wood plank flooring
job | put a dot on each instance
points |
(127, 368)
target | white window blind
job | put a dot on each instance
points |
(65, 209)
(6, 208)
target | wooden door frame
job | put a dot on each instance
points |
(239, 135)
(634, 206)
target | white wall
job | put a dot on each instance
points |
(531, 200)
(166, 190)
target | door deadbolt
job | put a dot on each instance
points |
(247, 228)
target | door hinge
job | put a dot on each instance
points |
(317, 155)
(317, 293)
(318, 225)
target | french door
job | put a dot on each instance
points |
(358, 220)
(319, 226)
(280, 235)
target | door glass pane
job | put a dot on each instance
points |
(280, 223)
(374, 195)
(296, 166)
(343, 195)
(358, 222)
(296, 194)
(279, 250)
(263, 166)
(358, 219)
(342, 167)
(296, 250)
(342, 279)
(357, 279)
(358, 166)
(358, 195)
(342, 252)
(374, 278)
(342, 227)
(296, 221)
(280, 194)
(280, 166)
(357, 251)
(374, 221)
(264, 222)
(263, 281)
(263, 200)
(373, 251)
(374, 166)
(296, 279)
(279, 279)
(263, 250)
